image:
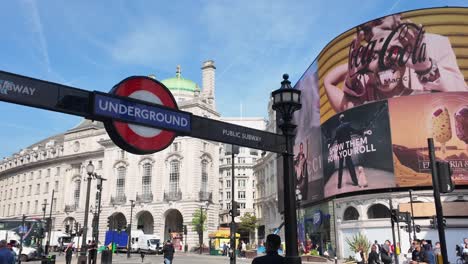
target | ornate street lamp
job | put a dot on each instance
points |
(129, 227)
(202, 220)
(286, 101)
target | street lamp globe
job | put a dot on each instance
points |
(90, 168)
(286, 100)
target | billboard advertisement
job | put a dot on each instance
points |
(403, 54)
(357, 152)
(362, 85)
(442, 116)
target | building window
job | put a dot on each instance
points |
(17, 178)
(22, 191)
(228, 195)
(253, 195)
(242, 205)
(56, 187)
(350, 214)
(204, 175)
(228, 206)
(99, 164)
(76, 193)
(54, 205)
(241, 194)
(146, 178)
(38, 188)
(48, 173)
(176, 146)
(378, 211)
(228, 183)
(228, 160)
(24, 177)
(46, 188)
(122, 154)
(28, 205)
(11, 194)
(39, 174)
(20, 211)
(16, 192)
(241, 183)
(36, 206)
(174, 175)
(29, 190)
(228, 173)
(57, 172)
(205, 146)
(31, 176)
(120, 186)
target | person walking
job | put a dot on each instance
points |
(168, 252)
(92, 250)
(273, 243)
(243, 249)
(373, 255)
(358, 256)
(225, 249)
(69, 253)
(6, 256)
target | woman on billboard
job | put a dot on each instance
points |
(389, 58)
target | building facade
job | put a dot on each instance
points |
(167, 187)
(244, 181)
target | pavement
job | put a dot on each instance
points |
(180, 257)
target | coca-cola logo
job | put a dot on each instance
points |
(393, 50)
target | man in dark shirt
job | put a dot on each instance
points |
(343, 135)
(6, 255)
(168, 251)
(273, 243)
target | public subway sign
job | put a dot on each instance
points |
(140, 114)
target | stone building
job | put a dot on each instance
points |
(167, 186)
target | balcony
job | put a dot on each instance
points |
(144, 198)
(205, 196)
(172, 196)
(70, 208)
(119, 199)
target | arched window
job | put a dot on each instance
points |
(76, 193)
(378, 211)
(204, 176)
(174, 176)
(350, 214)
(120, 184)
(146, 179)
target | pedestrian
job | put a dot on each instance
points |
(273, 243)
(243, 249)
(419, 256)
(373, 256)
(168, 252)
(225, 249)
(92, 252)
(376, 243)
(358, 256)
(6, 256)
(385, 254)
(69, 253)
(142, 255)
(239, 249)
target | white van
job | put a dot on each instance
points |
(147, 244)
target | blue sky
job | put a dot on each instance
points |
(95, 44)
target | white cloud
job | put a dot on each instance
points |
(34, 19)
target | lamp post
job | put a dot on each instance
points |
(100, 182)
(286, 101)
(412, 215)
(91, 174)
(299, 212)
(132, 204)
(202, 220)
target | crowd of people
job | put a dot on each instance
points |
(421, 252)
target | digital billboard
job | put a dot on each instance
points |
(409, 53)
(368, 78)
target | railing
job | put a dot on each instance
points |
(205, 196)
(144, 198)
(172, 196)
(70, 208)
(119, 199)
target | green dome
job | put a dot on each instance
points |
(178, 83)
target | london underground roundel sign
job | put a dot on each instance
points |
(135, 138)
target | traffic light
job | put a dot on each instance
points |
(237, 212)
(41, 232)
(394, 215)
(444, 173)
(185, 229)
(434, 222)
(418, 228)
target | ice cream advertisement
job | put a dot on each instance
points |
(442, 116)
(357, 152)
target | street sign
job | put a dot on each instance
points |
(140, 114)
(136, 138)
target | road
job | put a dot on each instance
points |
(150, 259)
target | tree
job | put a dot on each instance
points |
(248, 223)
(359, 241)
(199, 223)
